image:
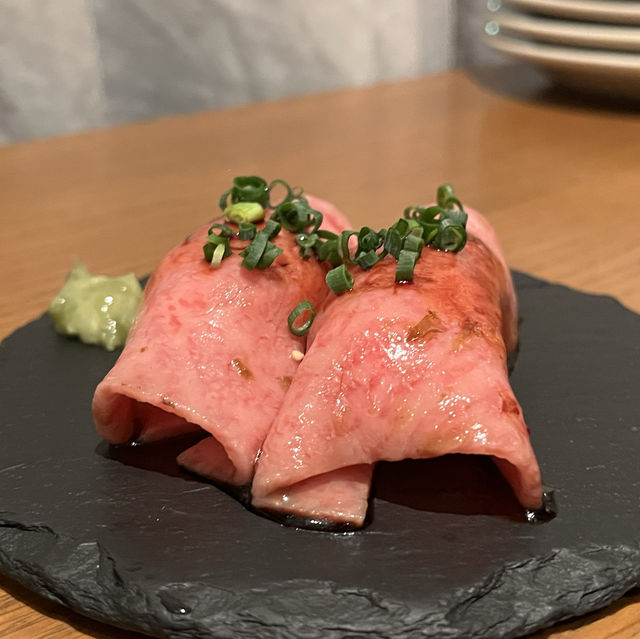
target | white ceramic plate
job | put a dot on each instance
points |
(604, 72)
(620, 11)
(602, 36)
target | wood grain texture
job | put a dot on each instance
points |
(559, 184)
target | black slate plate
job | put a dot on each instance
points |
(126, 537)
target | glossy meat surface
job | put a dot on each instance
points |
(211, 349)
(408, 370)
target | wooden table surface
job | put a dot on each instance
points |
(560, 182)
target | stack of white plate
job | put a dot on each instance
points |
(588, 44)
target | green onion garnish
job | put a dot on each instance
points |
(413, 243)
(271, 228)
(441, 226)
(224, 230)
(457, 216)
(327, 235)
(401, 226)
(322, 248)
(367, 260)
(218, 255)
(254, 251)
(368, 239)
(246, 231)
(316, 218)
(444, 194)
(271, 251)
(247, 189)
(305, 240)
(304, 308)
(244, 212)
(450, 236)
(406, 264)
(393, 242)
(339, 279)
(343, 246)
(295, 216)
(213, 242)
(290, 194)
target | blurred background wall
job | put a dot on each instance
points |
(70, 65)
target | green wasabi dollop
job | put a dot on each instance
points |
(96, 308)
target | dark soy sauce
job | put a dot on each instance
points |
(547, 511)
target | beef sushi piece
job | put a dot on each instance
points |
(210, 349)
(401, 370)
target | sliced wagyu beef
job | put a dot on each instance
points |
(211, 349)
(401, 370)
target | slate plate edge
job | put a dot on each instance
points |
(86, 576)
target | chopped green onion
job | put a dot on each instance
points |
(450, 237)
(295, 216)
(442, 226)
(406, 264)
(412, 212)
(401, 226)
(224, 198)
(322, 248)
(225, 231)
(457, 216)
(334, 253)
(214, 238)
(393, 242)
(447, 198)
(271, 228)
(327, 235)
(244, 212)
(444, 194)
(339, 279)
(367, 260)
(413, 224)
(451, 201)
(306, 240)
(430, 231)
(429, 214)
(271, 251)
(254, 251)
(304, 308)
(413, 243)
(218, 255)
(343, 246)
(213, 242)
(368, 239)
(287, 198)
(317, 218)
(328, 250)
(246, 231)
(247, 189)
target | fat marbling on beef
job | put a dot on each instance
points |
(401, 370)
(211, 349)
